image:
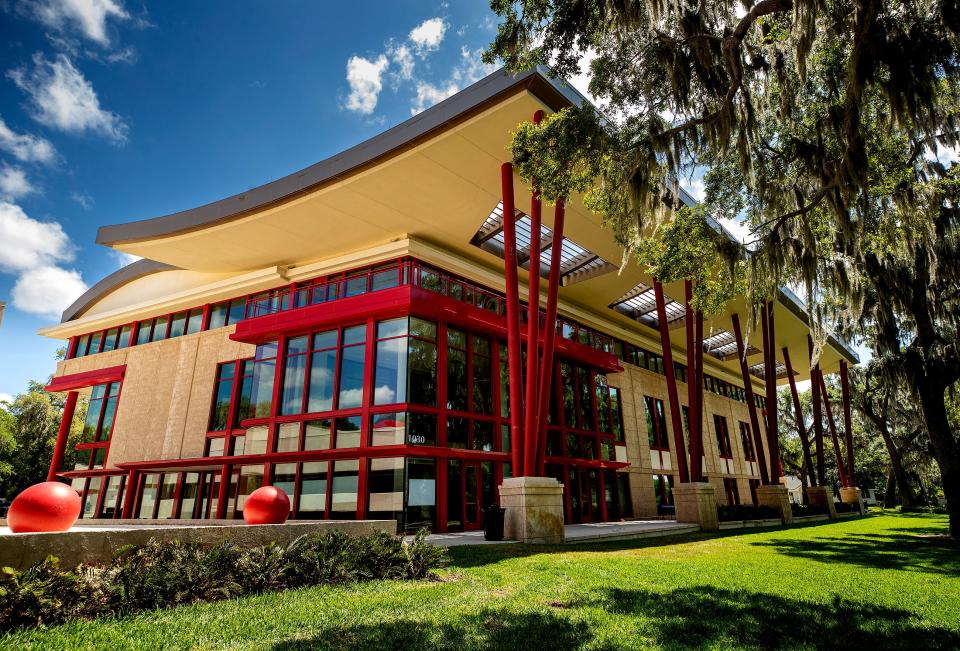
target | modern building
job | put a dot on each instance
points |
(341, 333)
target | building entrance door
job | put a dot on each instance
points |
(470, 488)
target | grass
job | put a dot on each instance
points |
(884, 582)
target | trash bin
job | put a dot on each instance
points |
(493, 522)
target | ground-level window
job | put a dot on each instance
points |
(656, 424)
(732, 490)
(663, 490)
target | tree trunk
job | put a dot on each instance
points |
(932, 402)
(904, 488)
(890, 494)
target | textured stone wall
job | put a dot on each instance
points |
(635, 383)
(165, 400)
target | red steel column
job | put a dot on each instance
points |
(696, 450)
(698, 416)
(751, 400)
(847, 426)
(514, 359)
(549, 335)
(770, 380)
(801, 425)
(817, 415)
(531, 410)
(59, 448)
(670, 372)
(844, 482)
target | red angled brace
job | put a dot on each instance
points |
(844, 481)
(847, 427)
(751, 401)
(670, 372)
(550, 334)
(531, 410)
(801, 425)
(514, 359)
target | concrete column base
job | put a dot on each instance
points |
(822, 496)
(776, 498)
(697, 502)
(851, 495)
(534, 508)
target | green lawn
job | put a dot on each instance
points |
(876, 583)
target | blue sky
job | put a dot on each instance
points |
(112, 111)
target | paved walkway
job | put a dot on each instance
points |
(582, 533)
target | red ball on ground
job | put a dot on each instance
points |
(266, 505)
(50, 506)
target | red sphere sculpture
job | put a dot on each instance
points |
(266, 505)
(50, 506)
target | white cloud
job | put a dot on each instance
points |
(28, 243)
(739, 229)
(470, 69)
(88, 16)
(47, 291)
(402, 56)
(62, 98)
(26, 147)
(366, 80)
(34, 251)
(83, 199)
(123, 259)
(697, 189)
(14, 183)
(428, 35)
(581, 82)
(5, 398)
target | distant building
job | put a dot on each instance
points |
(340, 333)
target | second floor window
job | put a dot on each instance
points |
(656, 424)
(747, 440)
(723, 436)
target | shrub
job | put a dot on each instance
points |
(168, 573)
(736, 512)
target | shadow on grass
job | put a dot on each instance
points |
(679, 619)
(921, 549)
(488, 629)
(714, 617)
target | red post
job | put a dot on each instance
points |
(751, 401)
(801, 425)
(670, 372)
(698, 415)
(844, 482)
(817, 415)
(770, 381)
(531, 411)
(514, 358)
(847, 426)
(550, 334)
(696, 450)
(59, 448)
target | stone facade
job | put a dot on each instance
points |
(697, 502)
(822, 496)
(851, 495)
(777, 498)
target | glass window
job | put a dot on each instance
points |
(385, 278)
(390, 379)
(82, 344)
(215, 446)
(295, 368)
(348, 432)
(168, 491)
(256, 440)
(746, 440)
(93, 493)
(111, 496)
(483, 435)
(160, 328)
(188, 495)
(260, 388)
(223, 387)
(195, 321)
(95, 340)
(124, 339)
(388, 429)
(178, 325)
(656, 424)
(385, 482)
(457, 384)
(355, 285)
(482, 375)
(313, 490)
(344, 489)
(144, 328)
(94, 409)
(421, 507)
(288, 437)
(251, 478)
(323, 366)
(218, 315)
(148, 495)
(237, 311)
(458, 432)
(317, 435)
(351, 367)
(723, 436)
(422, 429)
(284, 477)
(110, 339)
(109, 412)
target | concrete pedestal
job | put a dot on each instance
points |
(822, 496)
(776, 498)
(851, 496)
(534, 508)
(697, 502)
